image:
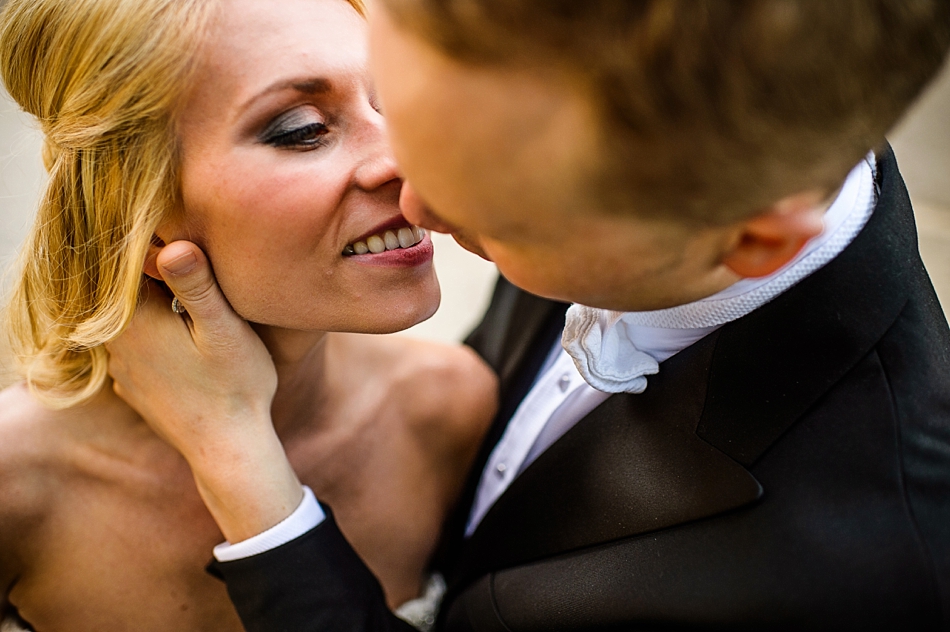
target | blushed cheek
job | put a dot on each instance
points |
(203, 193)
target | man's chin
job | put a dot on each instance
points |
(471, 245)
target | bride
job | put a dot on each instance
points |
(251, 129)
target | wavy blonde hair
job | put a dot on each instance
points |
(104, 79)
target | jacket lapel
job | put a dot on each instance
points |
(676, 453)
(812, 335)
(529, 315)
(510, 328)
(632, 466)
(514, 339)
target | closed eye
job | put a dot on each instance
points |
(302, 128)
(305, 137)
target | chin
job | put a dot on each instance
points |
(470, 244)
(366, 322)
(377, 309)
(397, 316)
(382, 315)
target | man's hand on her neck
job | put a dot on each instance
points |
(204, 382)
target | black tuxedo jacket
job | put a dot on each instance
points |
(789, 471)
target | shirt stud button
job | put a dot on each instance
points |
(564, 382)
(500, 468)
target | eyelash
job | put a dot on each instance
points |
(306, 137)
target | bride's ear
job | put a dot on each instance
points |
(151, 268)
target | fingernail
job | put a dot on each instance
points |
(182, 264)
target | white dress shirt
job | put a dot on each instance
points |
(613, 352)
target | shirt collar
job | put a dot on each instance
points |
(614, 351)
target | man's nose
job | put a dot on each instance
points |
(414, 209)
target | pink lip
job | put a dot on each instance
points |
(409, 257)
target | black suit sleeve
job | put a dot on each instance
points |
(316, 582)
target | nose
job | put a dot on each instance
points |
(415, 210)
(377, 170)
(377, 165)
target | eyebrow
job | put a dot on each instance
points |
(312, 86)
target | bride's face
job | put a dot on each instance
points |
(286, 171)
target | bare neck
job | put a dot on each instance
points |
(300, 358)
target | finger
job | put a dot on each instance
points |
(151, 267)
(153, 324)
(187, 272)
(153, 318)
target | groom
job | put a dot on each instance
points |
(747, 426)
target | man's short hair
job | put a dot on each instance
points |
(712, 109)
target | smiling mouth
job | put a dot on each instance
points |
(386, 241)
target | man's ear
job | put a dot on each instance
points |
(769, 240)
(151, 267)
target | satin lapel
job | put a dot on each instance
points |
(488, 338)
(646, 462)
(522, 328)
(773, 364)
(510, 328)
(528, 317)
(632, 466)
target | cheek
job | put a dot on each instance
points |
(261, 204)
(261, 228)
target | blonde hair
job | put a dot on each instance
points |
(103, 78)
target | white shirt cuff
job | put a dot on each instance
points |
(307, 516)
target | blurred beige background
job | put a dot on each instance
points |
(921, 142)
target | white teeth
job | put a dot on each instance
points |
(406, 238)
(376, 244)
(392, 242)
(402, 238)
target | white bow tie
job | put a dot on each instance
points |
(604, 353)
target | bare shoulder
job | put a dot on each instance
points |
(25, 444)
(447, 392)
(25, 482)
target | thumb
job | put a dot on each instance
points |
(187, 272)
